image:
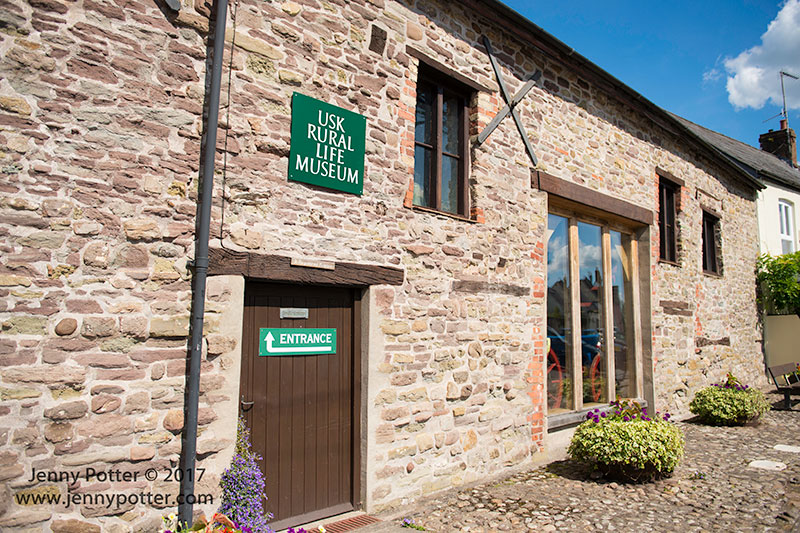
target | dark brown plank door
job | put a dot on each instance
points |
(302, 419)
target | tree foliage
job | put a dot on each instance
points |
(779, 277)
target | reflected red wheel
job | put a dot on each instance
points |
(595, 378)
(555, 378)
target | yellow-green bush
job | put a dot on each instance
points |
(627, 444)
(729, 403)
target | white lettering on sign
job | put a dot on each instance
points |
(326, 169)
(328, 161)
(332, 121)
(305, 338)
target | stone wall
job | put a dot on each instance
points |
(707, 325)
(100, 122)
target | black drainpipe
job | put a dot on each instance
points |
(192, 395)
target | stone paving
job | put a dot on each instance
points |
(713, 489)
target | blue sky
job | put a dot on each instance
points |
(714, 62)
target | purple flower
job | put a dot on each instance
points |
(603, 415)
(626, 419)
(243, 486)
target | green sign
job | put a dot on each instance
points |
(296, 341)
(327, 145)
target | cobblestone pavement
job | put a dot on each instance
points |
(563, 496)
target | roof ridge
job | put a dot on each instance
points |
(754, 151)
(715, 132)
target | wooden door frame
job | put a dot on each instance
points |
(357, 295)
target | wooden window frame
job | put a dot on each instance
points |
(575, 357)
(442, 85)
(710, 243)
(668, 192)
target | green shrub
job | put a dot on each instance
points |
(627, 444)
(779, 281)
(729, 403)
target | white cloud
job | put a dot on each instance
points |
(753, 74)
(711, 75)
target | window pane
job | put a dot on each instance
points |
(622, 311)
(705, 243)
(786, 217)
(787, 247)
(662, 241)
(709, 243)
(559, 303)
(449, 184)
(782, 217)
(666, 222)
(422, 176)
(451, 138)
(423, 130)
(590, 259)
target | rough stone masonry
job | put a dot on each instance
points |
(100, 133)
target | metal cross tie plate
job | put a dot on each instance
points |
(511, 103)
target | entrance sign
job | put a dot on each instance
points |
(328, 145)
(296, 341)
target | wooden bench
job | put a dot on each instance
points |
(786, 381)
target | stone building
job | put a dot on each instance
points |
(471, 284)
(775, 165)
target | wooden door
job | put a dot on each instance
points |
(304, 419)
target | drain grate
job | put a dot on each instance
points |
(350, 524)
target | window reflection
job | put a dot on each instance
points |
(622, 309)
(449, 184)
(590, 259)
(602, 301)
(422, 174)
(559, 373)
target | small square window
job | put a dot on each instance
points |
(711, 244)
(668, 247)
(441, 137)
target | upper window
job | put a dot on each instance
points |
(786, 215)
(710, 243)
(440, 141)
(668, 248)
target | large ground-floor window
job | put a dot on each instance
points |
(591, 312)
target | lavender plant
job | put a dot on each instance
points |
(243, 486)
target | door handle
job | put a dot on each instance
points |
(246, 405)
